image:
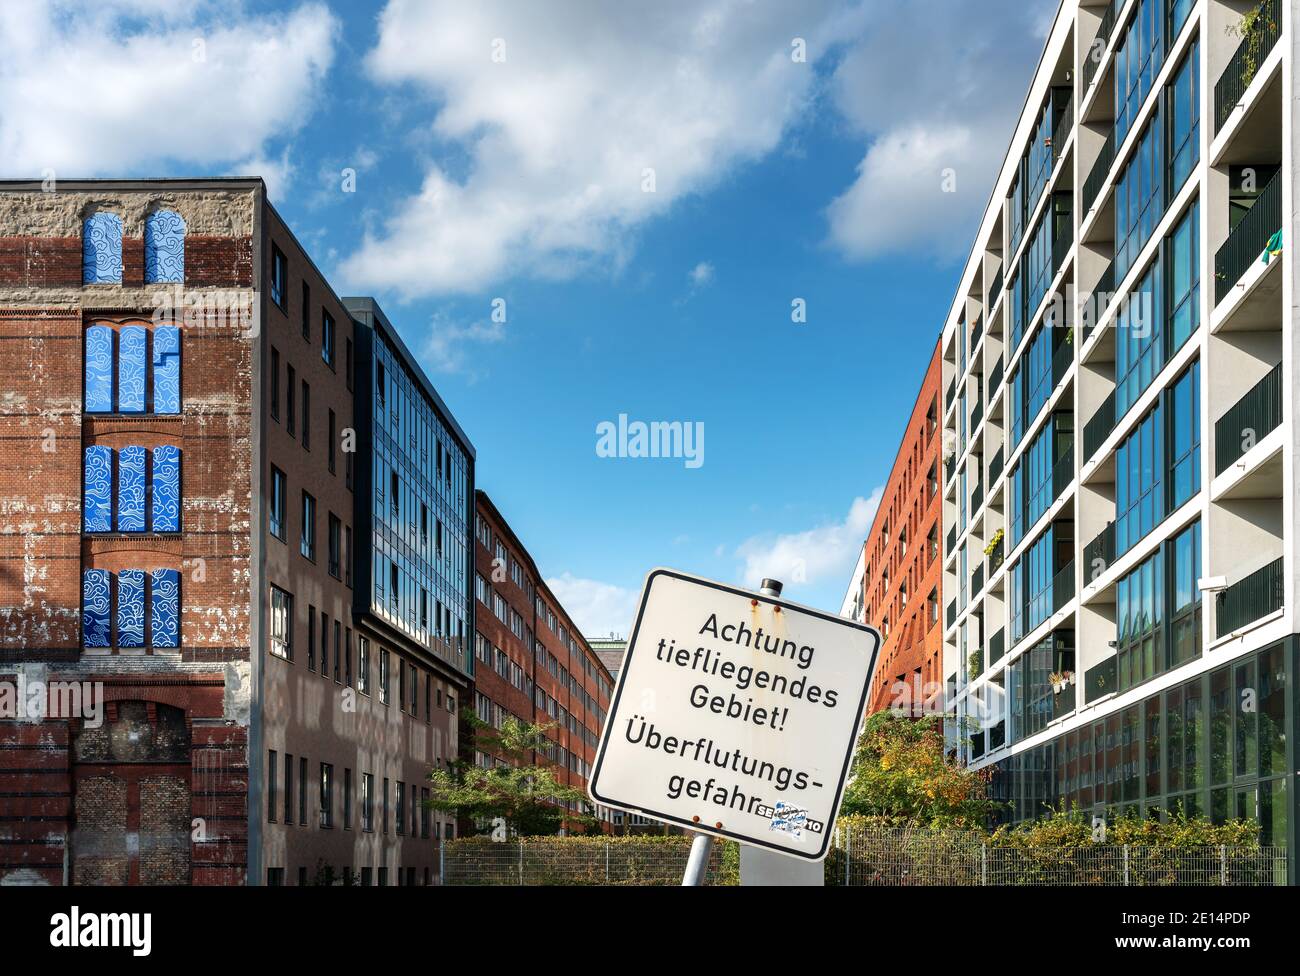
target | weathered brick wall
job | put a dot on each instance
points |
(44, 310)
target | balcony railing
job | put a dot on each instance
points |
(1061, 134)
(995, 377)
(1099, 427)
(976, 333)
(952, 540)
(1063, 587)
(995, 288)
(1249, 420)
(1060, 251)
(1061, 360)
(1097, 175)
(1251, 53)
(1063, 702)
(997, 644)
(950, 468)
(995, 466)
(1100, 680)
(1093, 53)
(1099, 554)
(1248, 599)
(952, 392)
(951, 614)
(1062, 474)
(997, 556)
(977, 498)
(977, 580)
(1249, 238)
(976, 415)
(1099, 300)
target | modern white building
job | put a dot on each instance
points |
(852, 605)
(1120, 577)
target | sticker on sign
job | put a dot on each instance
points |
(735, 714)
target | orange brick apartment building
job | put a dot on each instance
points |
(902, 561)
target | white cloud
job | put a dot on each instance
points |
(933, 98)
(555, 139)
(597, 608)
(701, 274)
(136, 86)
(448, 344)
(811, 556)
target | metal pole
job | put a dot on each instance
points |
(697, 865)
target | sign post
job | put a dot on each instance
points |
(735, 716)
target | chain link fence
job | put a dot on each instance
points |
(894, 857)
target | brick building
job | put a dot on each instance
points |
(234, 606)
(901, 568)
(531, 662)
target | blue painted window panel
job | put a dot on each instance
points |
(101, 249)
(97, 489)
(164, 247)
(99, 369)
(167, 369)
(165, 618)
(131, 353)
(130, 489)
(94, 608)
(167, 489)
(130, 608)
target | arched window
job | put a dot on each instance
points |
(164, 247)
(166, 369)
(101, 249)
(99, 369)
(166, 488)
(131, 355)
(94, 608)
(97, 481)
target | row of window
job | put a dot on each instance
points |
(148, 489)
(133, 369)
(335, 643)
(363, 877)
(287, 799)
(164, 248)
(131, 608)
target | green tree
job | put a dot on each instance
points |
(527, 796)
(902, 773)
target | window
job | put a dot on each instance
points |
(306, 311)
(383, 677)
(281, 623)
(288, 788)
(307, 545)
(302, 791)
(311, 638)
(333, 439)
(327, 338)
(347, 798)
(326, 795)
(275, 384)
(279, 272)
(335, 544)
(1185, 594)
(131, 489)
(1158, 610)
(1183, 276)
(324, 645)
(272, 770)
(347, 650)
(1185, 437)
(164, 247)
(347, 554)
(1139, 340)
(399, 809)
(279, 491)
(1139, 198)
(338, 651)
(306, 416)
(363, 665)
(165, 607)
(101, 249)
(290, 400)
(1139, 481)
(1184, 120)
(384, 822)
(347, 362)
(1137, 62)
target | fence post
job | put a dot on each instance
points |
(521, 863)
(606, 862)
(984, 864)
(848, 855)
(1126, 865)
(1223, 864)
(442, 862)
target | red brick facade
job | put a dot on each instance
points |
(904, 564)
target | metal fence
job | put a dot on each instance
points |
(858, 858)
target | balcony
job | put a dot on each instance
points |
(952, 540)
(952, 392)
(1249, 599)
(951, 613)
(1092, 60)
(977, 498)
(1100, 299)
(1062, 357)
(1253, 50)
(1099, 554)
(977, 580)
(996, 556)
(1100, 680)
(1099, 427)
(1062, 474)
(1063, 587)
(995, 377)
(995, 467)
(976, 333)
(976, 415)
(1061, 134)
(1100, 169)
(1248, 240)
(1248, 421)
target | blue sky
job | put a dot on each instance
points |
(503, 152)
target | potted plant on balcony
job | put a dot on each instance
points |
(974, 664)
(1251, 29)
